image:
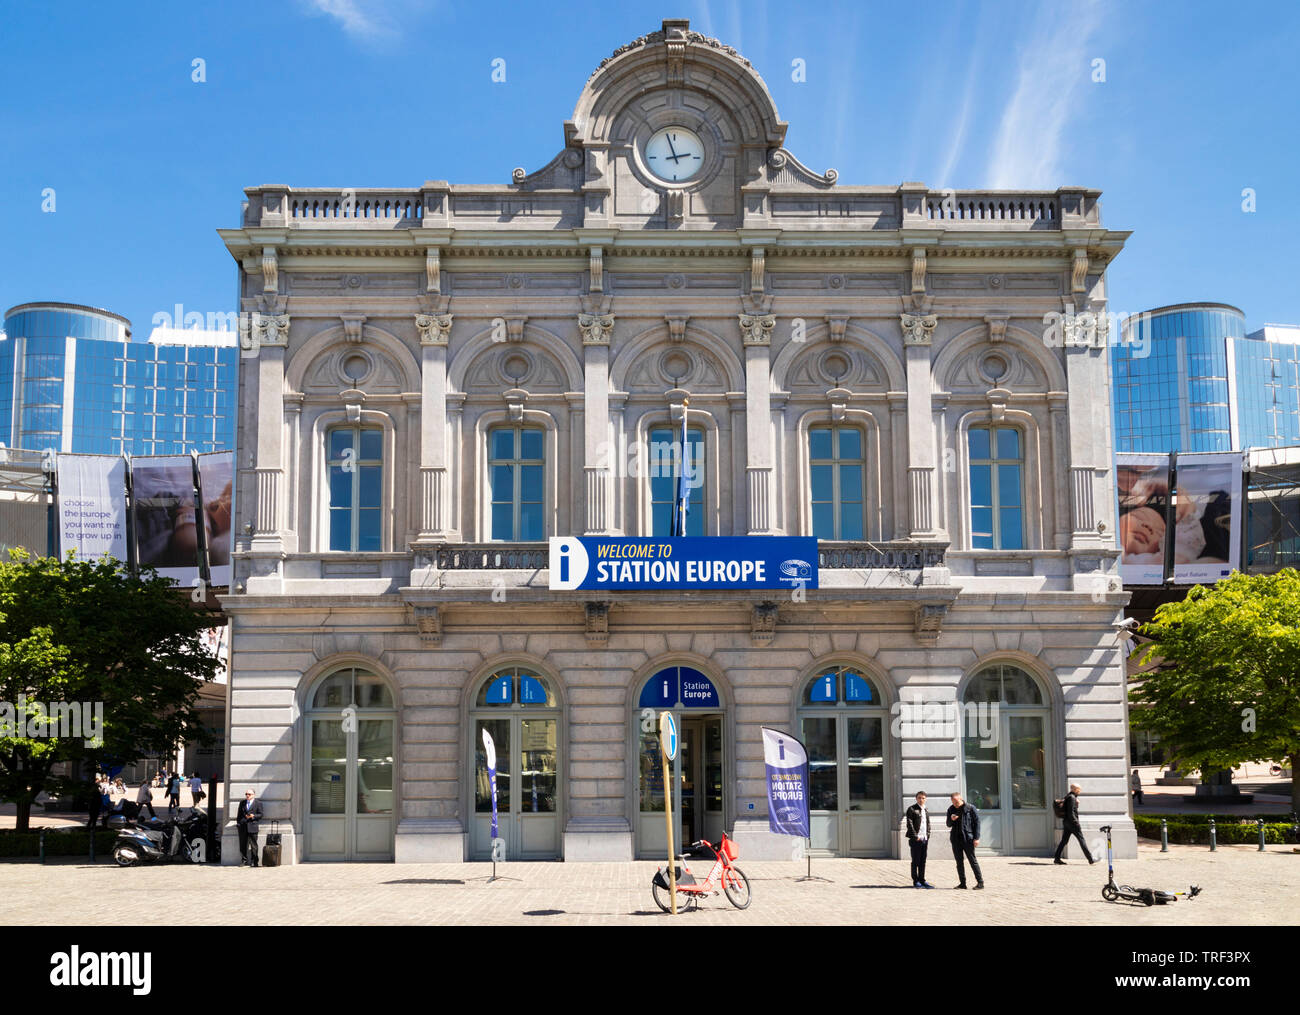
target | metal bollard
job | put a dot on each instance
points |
(1164, 836)
(1214, 837)
(42, 845)
(1261, 833)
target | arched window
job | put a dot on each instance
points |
(843, 723)
(1004, 730)
(836, 468)
(996, 488)
(516, 471)
(355, 461)
(350, 719)
(519, 710)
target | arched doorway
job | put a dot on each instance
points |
(518, 708)
(1006, 749)
(351, 725)
(699, 797)
(844, 723)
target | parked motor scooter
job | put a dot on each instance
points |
(158, 841)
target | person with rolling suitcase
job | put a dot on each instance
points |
(248, 818)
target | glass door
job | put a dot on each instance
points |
(1031, 816)
(846, 775)
(527, 803)
(697, 775)
(327, 821)
(350, 810)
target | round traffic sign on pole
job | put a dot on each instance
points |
(668, 735)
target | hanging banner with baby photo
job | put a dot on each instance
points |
(163, 510)
(1143, 484)
(216, 474)
(1207, 516)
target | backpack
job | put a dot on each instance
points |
(1058, 807)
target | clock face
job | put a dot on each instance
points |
(674, 154)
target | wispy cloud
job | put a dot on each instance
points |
(1030, 146)
(368, 20)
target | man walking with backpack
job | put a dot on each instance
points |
(1069, 814)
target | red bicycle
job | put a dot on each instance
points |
(723, 872)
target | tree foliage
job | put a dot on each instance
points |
(90, 633)
(1227, 689)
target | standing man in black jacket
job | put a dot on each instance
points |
(918, 838)
(247, 818)
(964, 831)
(1070, 824)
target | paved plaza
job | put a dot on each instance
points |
(1241, 885)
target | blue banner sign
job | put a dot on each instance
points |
(490, 751)
(786, 761)
(679, 685)
(688, 562)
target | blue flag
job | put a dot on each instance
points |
(489, 749)
(786, 760)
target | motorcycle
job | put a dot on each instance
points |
(162, 841)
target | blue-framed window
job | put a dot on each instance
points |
(516, 463)
(665, 465)
(996, 490)
(837, 466)
(355, 460)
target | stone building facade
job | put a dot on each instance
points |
(435, 380)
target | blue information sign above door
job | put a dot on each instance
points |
(750, 562)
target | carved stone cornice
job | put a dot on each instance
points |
(434, 329)
(918, 329)
(596, 328)
(756, 329)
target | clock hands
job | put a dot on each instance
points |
(675, 157)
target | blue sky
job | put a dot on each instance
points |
(1200, 101)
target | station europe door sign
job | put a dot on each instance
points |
(679, 684)
(688, 562)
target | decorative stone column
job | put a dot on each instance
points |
(598, 453)
(918, 331)
(756, 334)
(269, 339)
(435, 333)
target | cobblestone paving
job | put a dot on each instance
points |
(1240, 886)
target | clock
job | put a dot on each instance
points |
(674, 154)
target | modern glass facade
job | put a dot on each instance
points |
(72, 380)
(1188, 378)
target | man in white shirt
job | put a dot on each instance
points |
(918, 838)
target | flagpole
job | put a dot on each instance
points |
(682, 500)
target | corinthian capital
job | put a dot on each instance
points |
(918, 329)
(756, 329)
(596, 328)
(434, 329)
(257, 330)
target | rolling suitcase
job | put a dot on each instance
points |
(271, 851)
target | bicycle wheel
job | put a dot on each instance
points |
(736, 885)
(662, 897)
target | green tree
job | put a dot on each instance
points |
(125, 648)
(1227, 689)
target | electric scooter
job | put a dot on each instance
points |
(1112, 892)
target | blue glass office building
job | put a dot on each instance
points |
(71, 379)
(1188, 378)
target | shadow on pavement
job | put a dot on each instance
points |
(425, 881)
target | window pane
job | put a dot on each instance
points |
(866, 763)
(531, 484)
(334, 691)
(532, 444)
(851, 521)
(819, 442)
(530, 522)
(503, 444)
(503, 521)
(823, 520)
(499, 730)
(851, 482)
(372, 692)
(981, 774)
(979, 443)
(823, 777)
(661, 519)
(340, 487)
(1011, 536)
(371, 486)
(340, 529)
(339, 441)
(1008, 486)
(375, 766)
(369, 536)
(981, 520)
(503, 483)
(329, 758)
(981, 486)
(850, 442)
(1019, 688)
(652, 774)
(372, 444)
(1008, 443)
(822, 483)
(537, 765)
